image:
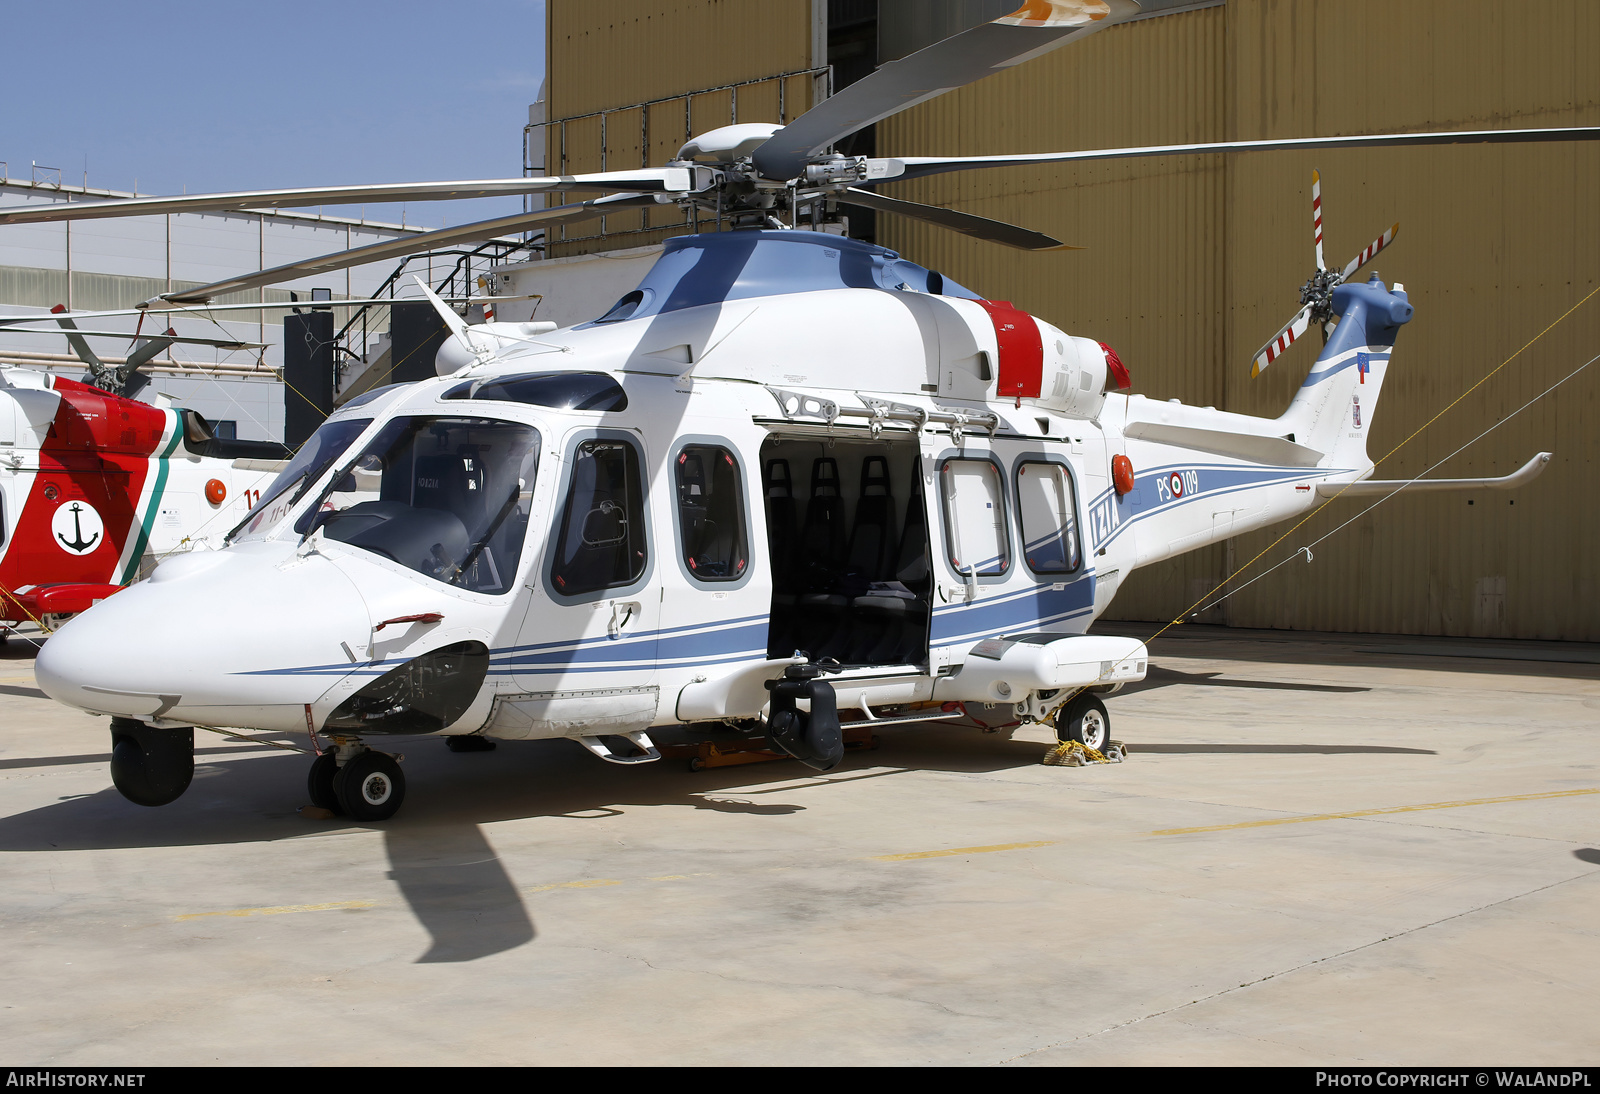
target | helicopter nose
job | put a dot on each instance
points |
(243, 637)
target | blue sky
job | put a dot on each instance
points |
(232, 96)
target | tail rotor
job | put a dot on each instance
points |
(1316, 295)
(1373, 248)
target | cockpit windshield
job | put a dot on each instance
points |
(446, 497)
(323, 447)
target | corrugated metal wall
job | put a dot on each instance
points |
(1193, 262)
(606, 56)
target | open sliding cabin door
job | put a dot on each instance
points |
(848, 544)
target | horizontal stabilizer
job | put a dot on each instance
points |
(1377, 487)
(1218, 442)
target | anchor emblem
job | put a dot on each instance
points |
(87, 528)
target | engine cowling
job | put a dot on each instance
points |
(1075, 374)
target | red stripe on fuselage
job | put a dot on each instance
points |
(97, 452)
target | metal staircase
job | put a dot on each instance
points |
(363, 347)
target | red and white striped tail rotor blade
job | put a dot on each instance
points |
(1316, 216)
(1373, 248)
(1281, 341)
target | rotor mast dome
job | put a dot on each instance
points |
(729, 143)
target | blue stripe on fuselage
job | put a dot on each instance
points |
(1110, 514)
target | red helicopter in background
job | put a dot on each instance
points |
(95, 486)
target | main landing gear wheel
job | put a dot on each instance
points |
(370, 786)
(319, 783)
(1085, 720)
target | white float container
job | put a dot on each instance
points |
(1006, 670)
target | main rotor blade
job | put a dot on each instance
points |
(1037, 27)
(8, 323)
(648, 181)
(144, 354)
(1281, 341)
(1373, 248)
(427, 241)
(995, 231)
(180, 339)
(75, 339)
(915, 167)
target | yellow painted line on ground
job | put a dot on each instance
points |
(964, 851)
(1373, 812)
(589, 883)
(285, 909)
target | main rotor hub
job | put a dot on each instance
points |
(837, 170)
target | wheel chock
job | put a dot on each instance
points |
(1077, 754)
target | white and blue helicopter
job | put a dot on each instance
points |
(791, 482)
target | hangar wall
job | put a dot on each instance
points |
(1191, 262)
(630, 81)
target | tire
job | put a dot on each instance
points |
(1085, 720)
(696, 764)
(319, 783)
(370, 787)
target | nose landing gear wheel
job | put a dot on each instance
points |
(319, 783)
(370, 786)
(1085, 720)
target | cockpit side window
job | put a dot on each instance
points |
(601, 542)
(446, 497)
(711, 513)
(319, 452)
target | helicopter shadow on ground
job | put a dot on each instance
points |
(1158, 676)
(439, 855)
(1520, 657)
(20, 647)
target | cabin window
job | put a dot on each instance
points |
(974, 517)
(318, 453)
(446, 497)
(1046, 506)
(711, 513)
(601, 542)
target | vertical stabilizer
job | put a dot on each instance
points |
(1333, 409)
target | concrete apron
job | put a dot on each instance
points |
(1320, 852)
